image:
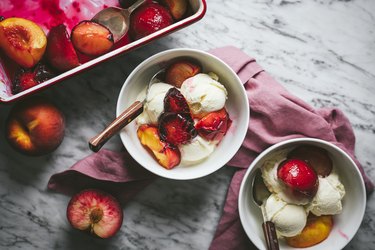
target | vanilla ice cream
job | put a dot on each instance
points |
(269, 174)
(203, 94)
(196, 151)
(289, 219)
(289, 211)
(154, 105)
(328, 197)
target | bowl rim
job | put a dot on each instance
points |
(251, 170)
(187, 51)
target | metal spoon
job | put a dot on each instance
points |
(123, 119)
(260, 195)
(116, 19)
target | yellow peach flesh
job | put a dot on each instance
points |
(22, 40)
(316, 230)
(149, 137)
(20, 135)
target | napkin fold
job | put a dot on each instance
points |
(115, 172)
(276, 115)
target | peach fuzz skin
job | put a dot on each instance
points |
(35, 127)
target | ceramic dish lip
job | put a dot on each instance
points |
(241, 135)
(112, 54)
(250, 172)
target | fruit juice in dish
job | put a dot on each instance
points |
(46, 14)
(182, 122)
(61, 35)
(302, 181)
(50, 13)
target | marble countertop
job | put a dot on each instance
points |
(322, 51)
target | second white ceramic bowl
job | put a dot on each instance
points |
(346, 224)
(237, 106)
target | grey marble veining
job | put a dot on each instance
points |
(322, 51)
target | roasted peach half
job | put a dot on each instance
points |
(60, 52)
(179, 71)
(167, 155)
(92, 38)
(316, 230)
(22, 40)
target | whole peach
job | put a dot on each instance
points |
(35, 126)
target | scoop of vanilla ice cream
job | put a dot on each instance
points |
(154, 105)
(289, 219)
(328, 197)
(196, 150)
(203, 94)
(274, 185)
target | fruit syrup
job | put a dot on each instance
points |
(47, 14)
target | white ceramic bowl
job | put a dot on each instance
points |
(346, 224)
(236, 104)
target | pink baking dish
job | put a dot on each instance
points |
(198, 11)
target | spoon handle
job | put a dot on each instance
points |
(135, 5)
(121, 121)
(269, 231)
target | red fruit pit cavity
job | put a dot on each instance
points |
(95, 211)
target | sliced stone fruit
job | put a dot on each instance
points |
(60, 52)
(167, 155)
(299, 176)
(179, 71)
(91, 38)
(176, 128)
(95, 211)
(175, 102)
(316, 230)
(22, 40)
(214, 125)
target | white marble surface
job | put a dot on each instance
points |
(322, 51)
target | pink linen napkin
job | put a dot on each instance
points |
(276, 115)
(115, 172)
